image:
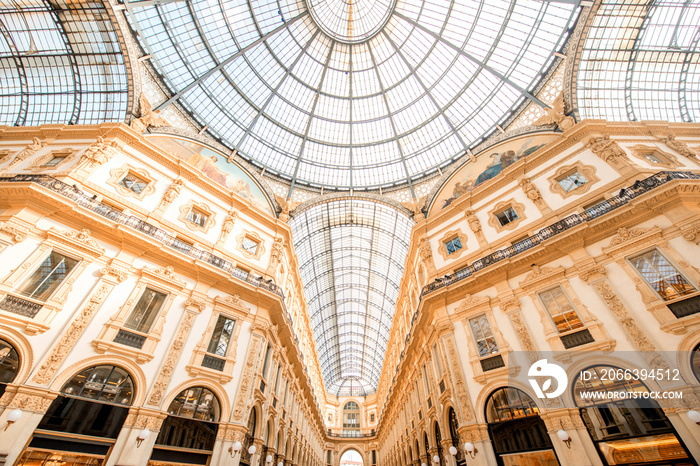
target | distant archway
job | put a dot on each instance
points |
(351, 457)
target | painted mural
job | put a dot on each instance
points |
(216, 167)
(488, 164)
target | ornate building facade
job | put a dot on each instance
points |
(269, 233)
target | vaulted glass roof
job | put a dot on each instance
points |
(351, 255)
(352, 94)
(641, 61)
(60, 63)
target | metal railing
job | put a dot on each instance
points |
(592, 213)
(20, 306)
(136, 223)
(351, 433)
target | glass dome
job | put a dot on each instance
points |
(352, 93)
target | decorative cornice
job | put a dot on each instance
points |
(80, 240)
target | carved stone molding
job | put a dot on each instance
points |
(534, 195)
(227, 227)
(35, 146)
(164, 275)
(680, 147)
(185, 210)
(65, 156)
(539, 274)
(500, 207)
(14, 233)
(97, 154)
(442, 249)
(117, 174)
(81, 241)
(627, 235)
(465, 405)
(171, 359)
(247, 379)
(588, 171)
(171, 194)
(67, 341)
(610, 152)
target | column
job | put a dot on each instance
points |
(33, 402)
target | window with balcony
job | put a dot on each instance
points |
(47, 277)
(486, 344)
(560, 309)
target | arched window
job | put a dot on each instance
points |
(351, 419)
(198, 403)
(249, 436)
(438, 443)
(192, 423)
(516, 430)
(626, 431)
(107, 384)
(9, 364)
(454, 435)
(93, 403)
(695, 362)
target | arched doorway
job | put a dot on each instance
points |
(83, 422)
(517, 432)
(188, 434)
(9, 364)
(456, 440)
(626, 432)
(351, 458)
(249, 437)
(438, 445)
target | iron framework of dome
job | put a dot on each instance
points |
(351, 258)
(355, 94)
(60, 63)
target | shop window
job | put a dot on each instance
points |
(107, 384)
(572, 180)
(191, 425)
(49, 458)
(661, 275)
(695, 362)
(453, 245)
(506, 216)
(560, 309)
(133, 182)
(483, 336)
(9, 364)
(518, 434)
(146, 309)
(625, 431)
(460, 458)
(48, 276)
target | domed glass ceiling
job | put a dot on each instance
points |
(351, 93)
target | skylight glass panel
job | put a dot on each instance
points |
(355, 251)
(342, 71)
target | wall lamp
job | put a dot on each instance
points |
(453, 451)
(692, 415)
(564, 437)
(235, 449)
(471, 449)
(436, 459)
(13, 416)
(252, 450)
(269, 459)
(143, 435)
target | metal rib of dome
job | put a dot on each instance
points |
(387, 109)
(351, 255)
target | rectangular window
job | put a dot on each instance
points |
(560, 309)
(425, 377)
(506, 216)
(55, 160)
(572, 180)
(266, 364)
(221, 337)
(250, 245)
(653, 158)
(483, 336)
(197, 217)
(145, 311)
(48, 276)
(372, 418)
(133, 183)
(436, 357)
(453, 245)
(661, 275)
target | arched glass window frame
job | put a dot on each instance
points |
(92, 373)
(203, 391)
(531, 404)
